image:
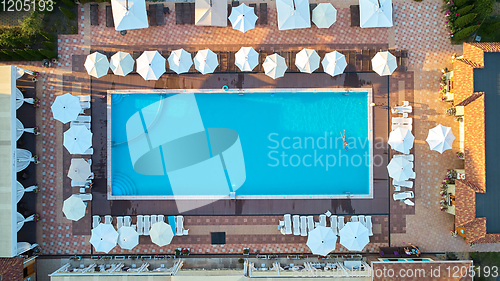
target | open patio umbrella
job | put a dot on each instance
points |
(400, 169)
(79, 170)
(121, 63)
(354, 236)
(128, 238)
(205, 61)
(324, 15)
(274, 66)
(97, 65)
(77, 139)
(161, 234)
(180, 61)
(307, 60)
(104, 238)
(321, 240)
(293, 14)
(66, 108)
(384, 63)
(334, 63)
(440, 138)
(151, 65)
(243, 18)
(129, 14)
(246, 59)
(375, 13)
(210, 12)
(74, 208)
(401, 140)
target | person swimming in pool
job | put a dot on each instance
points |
(346, 145)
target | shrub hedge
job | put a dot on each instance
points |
(69, 14)
(48, 53)
(462, 21)
(465, 10)
(49, 45)
(464, 33)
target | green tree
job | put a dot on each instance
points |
(13, 55)
(32, 24)
(483, 7)
(69, 14)
(49, 45)
(25, 55)
(69, 3)
(48, 36)
(460, 3)
(464, 33)
(48, 53)
(491, 28)
(462, 21)
(13, 37)
(465, 10)
(35, 53)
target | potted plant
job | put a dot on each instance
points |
(36, 217)
(246, 251)
(36, 130)
(177, 252)
(185, 252)
(460, 155)
(240, 260)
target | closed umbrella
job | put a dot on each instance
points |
(205, 61)
(321, 240)
(400, 169)
(77, 139)
(161, 234)
(79, 170)
(21, 220)
(274, 66)
(122, 63)
(66, 108)
(151, 65)
(243, 18)
(307, 60)
(180, 61)
(384, 63)
(23, 159)
(375, 13)
(324, 15)
(104, 238)
(401, 140)
(20, 190)
(246, 59)
(97, 65)
(74, 208)
(128, 238)
(20, 129)
(354, 236)
(440, 138)
(334, 63)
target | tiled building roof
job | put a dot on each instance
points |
(463, 74)
(475, 158)
(11, 269)
(475, 230)
(465, 204)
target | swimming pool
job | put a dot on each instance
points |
(256, 143)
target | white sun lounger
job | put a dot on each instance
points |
(402, 195)
(179, 225)
(154, 219)
(296, 225)
(361, 219)
(409, 202)
(368, 222)
(85, 102)
(402, 121)
(341, 223)
(95, 221)
(119, 222)
(140, 224)
(310, 223)
(354, 218)
(108, 219)
(161, 218)
(395, 126)
(288, 224)
(127, 221)
(408, 184)
(333, 224)
(408, 157)
(147, 224)
(322, 220)
(303, 226)
(84, 196)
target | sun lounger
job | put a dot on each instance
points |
(94, 14)
(310, 223)
(296, 225)
(333, 224)
(140, 224)
(408, 157)
(161, 218)
(179, 222)
(361, 219)
(80, 183)
(409, 202)
(322, 220)
(95, 221)
(147, 224)
(368, 224)
(127, 221)
(109, 17)
(354, 15)
(303, 225)
(401, 109)
(152, 14)
(171, 222)
(395, 126)
(262, 13)
(341, 223)
(354, 218)
(402, 121)
(406, 103)
(119, 222)
(288, 224)
(154, 219)
(408, 184)
(402, 195)
(85, 196)
(108, 219)
(75, 123)
(160, 15)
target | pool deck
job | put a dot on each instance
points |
(419, 28)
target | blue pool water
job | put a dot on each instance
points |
(279, 143)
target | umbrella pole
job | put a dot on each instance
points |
(377, 1)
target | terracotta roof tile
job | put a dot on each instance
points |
(489, 238)
(475, 156)
(486, 47)
(464, 79)
(475, 230)
(11, 269)
(465, 204)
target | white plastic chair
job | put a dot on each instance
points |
(303, 226)
(119, 222)
(108, 219)
(296, 225)
(95, 221)
(333, 224)
(140, 224)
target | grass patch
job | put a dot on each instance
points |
(486, 262)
